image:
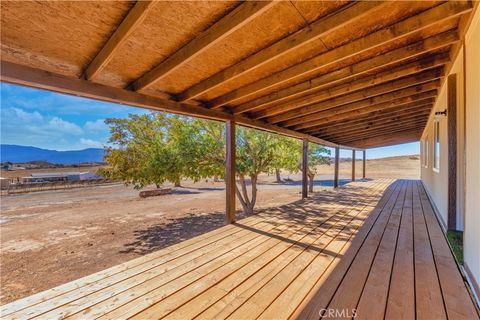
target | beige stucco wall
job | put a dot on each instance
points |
(468, 155)
(472, 201)
(436, 182)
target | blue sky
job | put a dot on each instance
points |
(49, 120)
(54, 121)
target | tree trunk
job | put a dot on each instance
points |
(242, 194)
(310, 182)
(277, 174)
(177, 184)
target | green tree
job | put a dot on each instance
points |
(287, 153)
(141, 151)
(201, 145)
(317, 155)
(255, 154)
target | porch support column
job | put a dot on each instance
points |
(305, 169)
(364, 164)
(337, 161)
(353, 165)
(452, 150)
(230, 182)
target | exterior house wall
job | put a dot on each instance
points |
(472, 154)
(467, 69)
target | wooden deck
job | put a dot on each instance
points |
(372, 246)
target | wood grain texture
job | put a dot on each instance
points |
(374, 246)
(452, 150)
(230, 172)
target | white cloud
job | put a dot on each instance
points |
(96, 126)
(24, 115)
(22, 127)
(60, 125)
(91, 143)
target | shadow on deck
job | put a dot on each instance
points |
(371, 248)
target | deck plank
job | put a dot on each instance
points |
(374, 246)
(401, 297)
(455, 294)
(168, 304)
(350, 289)
(209, 257)
(327, 287)
(293, 295)
(378, 282)
(428, 295)
(224, 307)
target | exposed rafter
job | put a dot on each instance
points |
(374, 117)
(389, 139)
(347, 73)
(377, 133)
(385, 119)
(304, 36)
(313, 119)
(393, 86)
(240, 16)
(359, 110)
(135, 17)
(363, 83)
(395, 32)
(22, 75)
(364, 131)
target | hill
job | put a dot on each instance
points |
(22, 154)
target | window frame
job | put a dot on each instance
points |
(425, 152)
(436, 146)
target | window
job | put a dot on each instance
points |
(425, 152)
(436, 145)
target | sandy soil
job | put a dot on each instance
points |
(52, 237)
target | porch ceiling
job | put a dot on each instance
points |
(357, 74)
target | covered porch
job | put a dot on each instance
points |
(371, 248)
(348, 75)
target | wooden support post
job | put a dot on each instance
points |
(364, 164)
(230, 181)
(337, 161)
(305, 169)
(353, 165)
(452, 151)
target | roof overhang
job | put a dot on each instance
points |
(342, 74)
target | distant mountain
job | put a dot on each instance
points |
(21, 154)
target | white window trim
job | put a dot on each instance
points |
(436, 134)
(425, 152)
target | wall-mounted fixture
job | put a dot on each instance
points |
(440, 114)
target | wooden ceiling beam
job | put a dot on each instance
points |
(380, 120)
(399, 30)
(41, 79)
(339, 76)
(391, 117)
(240, 16)
(293, 117)
(419, 118)
(388, 140)
(304, 36)
(314, 119)
(378, 133)
(362, 83)
(357, 110)
(376, 115)
(134, 18)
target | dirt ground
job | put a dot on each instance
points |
(52, 237)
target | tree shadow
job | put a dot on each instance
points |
(159, 236)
